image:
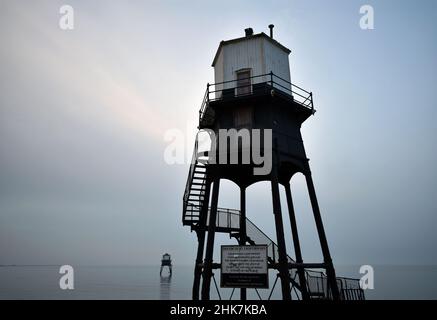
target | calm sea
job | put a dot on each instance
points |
(144, 282)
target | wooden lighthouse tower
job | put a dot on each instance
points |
(253, 92)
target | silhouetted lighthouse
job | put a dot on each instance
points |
(253, 96)
(166, 262)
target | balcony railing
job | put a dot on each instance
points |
(260, 84)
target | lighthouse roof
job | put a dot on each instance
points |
(246, 38)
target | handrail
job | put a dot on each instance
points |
(190, 174)
(295, 92)
(274, 245)
(229, 81)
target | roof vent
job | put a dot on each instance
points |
(271, 26)
(249, 32)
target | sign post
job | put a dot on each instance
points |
(244, 267)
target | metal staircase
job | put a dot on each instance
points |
(228, 221)
(194, 190)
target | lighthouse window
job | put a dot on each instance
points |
(243, 82)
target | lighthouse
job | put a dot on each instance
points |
(253, 114)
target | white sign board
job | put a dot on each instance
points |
(244, 267)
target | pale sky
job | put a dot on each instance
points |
(83, 115)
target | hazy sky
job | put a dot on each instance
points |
(83, 115)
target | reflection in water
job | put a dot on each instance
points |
(165, 287)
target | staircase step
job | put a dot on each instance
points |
(195, 195)
(191, 217)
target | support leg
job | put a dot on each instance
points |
(296, 242)
(283, 261)
(243, 232)
(330, 272)
(201, 242)
(207, 270)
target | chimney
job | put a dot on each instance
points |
(249, 32)
(271, 26)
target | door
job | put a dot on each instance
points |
(243, 82)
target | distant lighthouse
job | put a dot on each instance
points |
(254, 97)
(166, 262)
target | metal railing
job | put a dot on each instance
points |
(259, 84)
(228, 219)
(191, 211)
(350, 289)
(190, 176)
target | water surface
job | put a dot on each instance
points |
(144, 282)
